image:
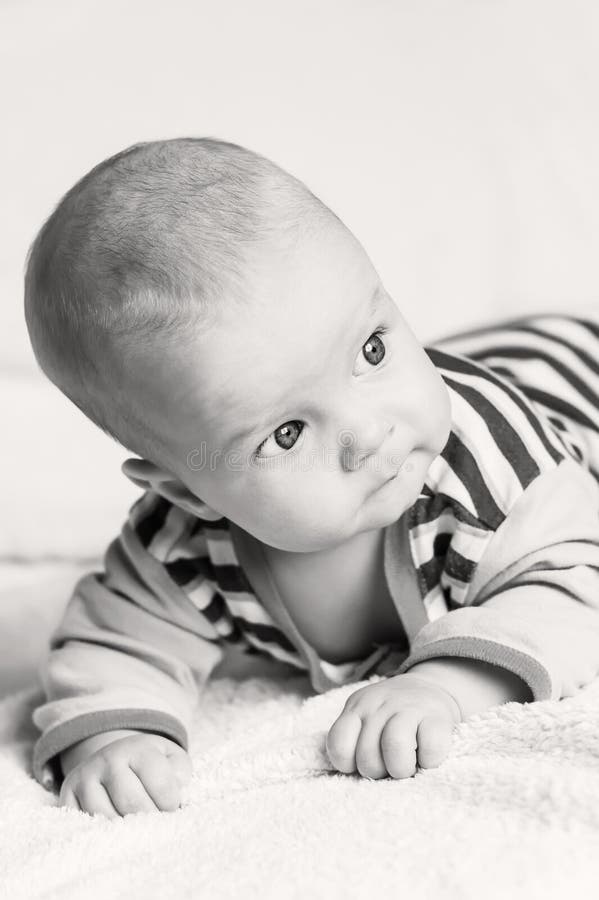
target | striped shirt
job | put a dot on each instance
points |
(512, 501)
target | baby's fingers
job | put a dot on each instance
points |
(434, 741)
(180, 762)
(160, 779)
(398, 745)
(126, 790)
(88, 796)
(341, 741)
(67, 797)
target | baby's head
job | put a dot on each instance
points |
(206, 310)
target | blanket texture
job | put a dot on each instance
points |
(513, 811)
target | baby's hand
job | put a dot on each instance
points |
(139, 773)
(383, 724)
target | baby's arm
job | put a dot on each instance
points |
(475, 685)
(528, 630)
(532, 606)
(129, 657)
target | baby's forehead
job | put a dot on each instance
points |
(262, 346)
(193, 397)
(273, 341)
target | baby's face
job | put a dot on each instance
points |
(292, 414)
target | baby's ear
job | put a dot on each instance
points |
(150, 477)
(142, 473)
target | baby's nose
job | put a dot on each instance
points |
(361, 441)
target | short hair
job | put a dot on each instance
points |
(140, 252)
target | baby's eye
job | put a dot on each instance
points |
(285, 437)
(374, 349)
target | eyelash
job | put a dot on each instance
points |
(381, 330)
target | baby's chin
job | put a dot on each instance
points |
(304, 538)
(386, 506)
(375, 514)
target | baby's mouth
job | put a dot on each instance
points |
(404, 466)
(387, 481)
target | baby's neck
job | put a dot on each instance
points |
(338, 598)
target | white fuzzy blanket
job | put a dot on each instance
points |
(512, 812)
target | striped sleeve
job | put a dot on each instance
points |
(554, 360)
(132, 650)
(532, 606)
(510, 573)
(497, 447)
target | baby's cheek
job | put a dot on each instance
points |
(436, 424)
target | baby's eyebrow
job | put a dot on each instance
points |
(374, 304)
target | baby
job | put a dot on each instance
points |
(318, 487)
